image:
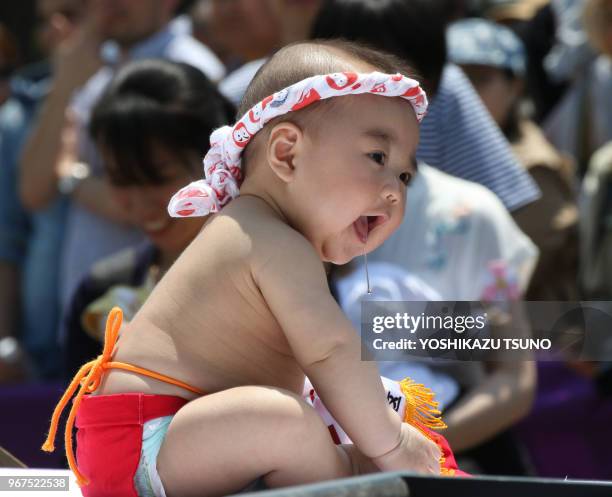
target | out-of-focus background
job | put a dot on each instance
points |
(105, 111)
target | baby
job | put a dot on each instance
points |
(225, 340)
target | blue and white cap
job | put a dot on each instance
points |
(483, 42)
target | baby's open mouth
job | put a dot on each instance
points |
(365, 224)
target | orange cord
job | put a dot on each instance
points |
(89, 377)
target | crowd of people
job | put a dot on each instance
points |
(512, 200)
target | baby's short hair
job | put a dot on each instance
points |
(302, 60)
(298, 61)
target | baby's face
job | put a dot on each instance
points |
(356, 162)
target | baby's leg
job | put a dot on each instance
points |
(220, 443)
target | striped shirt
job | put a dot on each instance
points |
(459, 136)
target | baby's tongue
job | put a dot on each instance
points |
(361, 227)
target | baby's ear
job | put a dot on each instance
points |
(284, 143)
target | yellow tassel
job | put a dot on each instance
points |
(420, 405)
(422, 411)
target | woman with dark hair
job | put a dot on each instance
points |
(152, 127)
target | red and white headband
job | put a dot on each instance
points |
(222, 169)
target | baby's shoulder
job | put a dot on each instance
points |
(271, 237)
(246, 228)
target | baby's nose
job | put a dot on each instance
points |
(392, 192)
(392, 198)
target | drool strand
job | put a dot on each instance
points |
(365, 258)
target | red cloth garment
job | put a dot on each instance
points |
(448, 463)
(109, 438)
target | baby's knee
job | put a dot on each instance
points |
(283, 409)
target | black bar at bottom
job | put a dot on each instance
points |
(379, 485)
(409, 485)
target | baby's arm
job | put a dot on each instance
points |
(293, 282)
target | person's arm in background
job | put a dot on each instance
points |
(74, 63)
(501, 272)
(502, 399)
(548, 220)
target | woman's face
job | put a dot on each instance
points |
(497, 92)
(146, 204)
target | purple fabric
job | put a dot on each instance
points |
(25, 413)
(569, 431)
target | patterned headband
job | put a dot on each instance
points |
(222, 169)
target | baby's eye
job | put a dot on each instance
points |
(378, 157)
(406, 178)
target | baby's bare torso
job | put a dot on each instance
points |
(206, 323)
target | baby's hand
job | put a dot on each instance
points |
(415, 452)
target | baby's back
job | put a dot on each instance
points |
(206, 323)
